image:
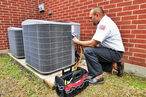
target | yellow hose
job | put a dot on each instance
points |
(77, 64)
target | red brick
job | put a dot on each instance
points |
(139, 22)
(126, 48)
(98, 0)
(139, 11)
(128, 45)
(123, 23)
(87, 38)
(128, 53)
(111, 14)
(12, 15)
(124, 4)
(138, 31)
(89, 34)
(92, 5)
(4, 11)
(87, 24)
(87, 2)
(139, 63)
(142, 6)
(142, 27)
(103, 3)
(83, 7)
(141, 55)
(90, 27)
(115, 10)
(137, 50)
(124, 13)
(139, 1)
(128, 27)
(1, 47)
(133, 7)
(125, 31)
(128, 36)
(109, 6)
(126, 60)
(137, 59)
(141, 36)
(106, 11)
(115, 1)
(129, 17)
(115, 18)
(140, 46)
(125, 40)
(142, 16)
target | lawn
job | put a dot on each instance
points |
(15, 81)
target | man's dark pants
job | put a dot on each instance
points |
(100, 59)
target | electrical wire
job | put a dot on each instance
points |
(78, 63)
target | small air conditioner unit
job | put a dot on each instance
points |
(15, 37)
(48, 45)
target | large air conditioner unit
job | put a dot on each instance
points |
(48, 45)
(15, 37)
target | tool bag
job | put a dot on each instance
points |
(71, 82)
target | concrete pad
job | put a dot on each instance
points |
(48, 79)
(135, 69)
(4, 51)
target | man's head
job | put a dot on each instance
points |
(96, 15)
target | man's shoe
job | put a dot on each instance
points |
(96, 81)
(90, 77)
(120, 70)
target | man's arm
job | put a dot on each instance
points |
(90, 43)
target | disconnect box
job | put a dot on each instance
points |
(41, 7)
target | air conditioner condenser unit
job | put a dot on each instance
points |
(15, 37)
(48, 45)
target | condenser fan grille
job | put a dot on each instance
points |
(48, 47)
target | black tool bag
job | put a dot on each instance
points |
(71, 82)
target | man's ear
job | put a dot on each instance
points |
(97, 14)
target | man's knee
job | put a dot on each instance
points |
(88, 50)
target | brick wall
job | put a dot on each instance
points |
(12, 13)
(129, 15)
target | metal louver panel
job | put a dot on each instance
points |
(15, 37)
(48, 45)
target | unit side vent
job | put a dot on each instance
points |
(15, 37)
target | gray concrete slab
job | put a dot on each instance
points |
(4, 51)
(135, 69)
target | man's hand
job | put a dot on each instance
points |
(74, 36)
(75, 40)
(90, 43)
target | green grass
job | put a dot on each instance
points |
(16, 82)
(138, 85)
